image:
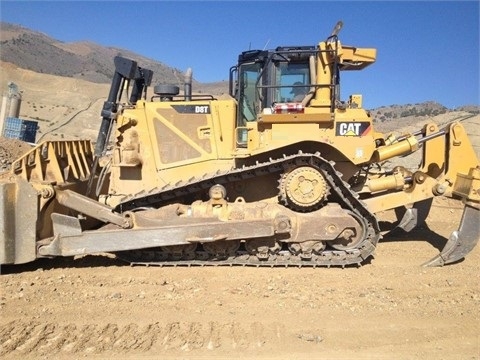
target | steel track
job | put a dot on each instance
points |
(349, 200)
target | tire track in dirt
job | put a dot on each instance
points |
(34, 338)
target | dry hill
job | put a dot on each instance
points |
(85, 60)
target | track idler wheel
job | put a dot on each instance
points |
(351, 237)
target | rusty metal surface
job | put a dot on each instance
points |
(90, 207)
(56, 161)
(72, 241)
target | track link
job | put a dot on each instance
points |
(349, 200)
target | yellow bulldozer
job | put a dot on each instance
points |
(282, 173)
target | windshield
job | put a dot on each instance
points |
(292, 80)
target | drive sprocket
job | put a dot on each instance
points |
(303, 189)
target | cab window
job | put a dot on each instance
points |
(292, 81)
(248, 96)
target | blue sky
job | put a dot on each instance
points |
(427, 50)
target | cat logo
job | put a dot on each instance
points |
(353, 128)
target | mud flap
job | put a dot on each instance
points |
(461, 241)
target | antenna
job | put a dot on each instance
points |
(266, 44)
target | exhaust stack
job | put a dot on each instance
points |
(188, 85)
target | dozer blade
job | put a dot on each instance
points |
(461, 241)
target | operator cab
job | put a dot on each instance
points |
(266, 78)
(293, 80)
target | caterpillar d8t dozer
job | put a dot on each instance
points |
(281, 173)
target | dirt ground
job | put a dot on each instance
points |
(10, 150)
(390, 308)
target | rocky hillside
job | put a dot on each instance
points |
(85, 60)
(430, 108)
(390, 118)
